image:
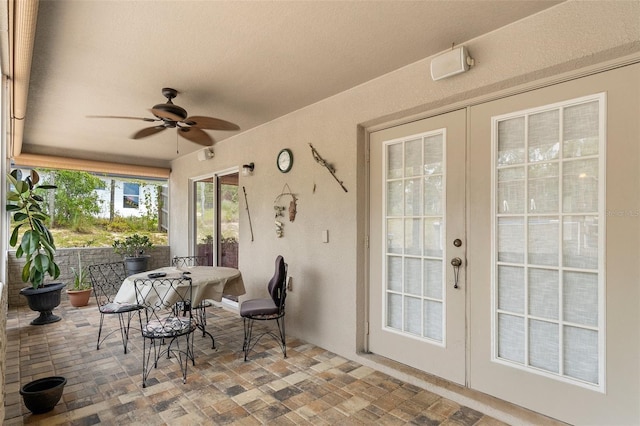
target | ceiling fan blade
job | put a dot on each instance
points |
(147, 132)
(165, 114)
(211, 123)
(195, 135)
(124, 117)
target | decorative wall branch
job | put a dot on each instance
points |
(246, 204)
(323, 162)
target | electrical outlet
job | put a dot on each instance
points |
(289, 284)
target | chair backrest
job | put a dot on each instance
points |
(278, 283)
(183, 261)
(165, 298)
(106, 279)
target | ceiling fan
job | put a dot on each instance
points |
(172, 116)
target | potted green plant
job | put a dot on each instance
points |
(38, 249)
(132, 248)
(36, 244)
(80, 291)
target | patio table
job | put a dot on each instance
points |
(209, 282)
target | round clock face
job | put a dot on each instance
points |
(284, 160)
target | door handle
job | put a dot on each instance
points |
(456, 262)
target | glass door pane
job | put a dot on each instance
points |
(547, 215)
(414, 217)
(205, 218)
(228, 220)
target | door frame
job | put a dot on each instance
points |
(192, 206)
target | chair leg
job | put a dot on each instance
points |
(248, 330)
(173, 346)
(188, 355)
(283, 339)
(249, 341)
(146, 357)
(124, 328)
(100, 330)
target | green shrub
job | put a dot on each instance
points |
(118, 224)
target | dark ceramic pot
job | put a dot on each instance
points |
(43, 394)
(136, 265)
(43, 300)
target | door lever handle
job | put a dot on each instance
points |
(456, 262)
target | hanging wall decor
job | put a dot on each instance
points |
(293, 209)
(293, 205)
(323, 162)
(279, 225)
(279, 229)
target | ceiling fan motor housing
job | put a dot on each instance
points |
(169, 106)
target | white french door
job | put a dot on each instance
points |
(553, 249)
(543, 199)
(417, 297)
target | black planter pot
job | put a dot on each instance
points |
(43, 394)
(136, 265)
(43, 300)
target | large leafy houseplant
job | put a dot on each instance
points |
(36, 244)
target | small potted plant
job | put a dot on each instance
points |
(36, 244)
(80, 291)
(132, 248)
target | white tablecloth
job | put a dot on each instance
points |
(209, 282)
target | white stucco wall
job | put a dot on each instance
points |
(327, 304)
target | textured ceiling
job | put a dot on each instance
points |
(247, 62)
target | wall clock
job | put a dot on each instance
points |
(284, 160)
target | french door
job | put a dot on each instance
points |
(554, 240)
(540, 203)
(417, 229)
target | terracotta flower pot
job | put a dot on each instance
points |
(79, 298)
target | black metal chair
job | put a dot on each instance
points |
(167, 319)
(267, 309)
(201, 309)
(186, 261)
(106, 279)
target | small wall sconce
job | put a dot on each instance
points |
(247, 169)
